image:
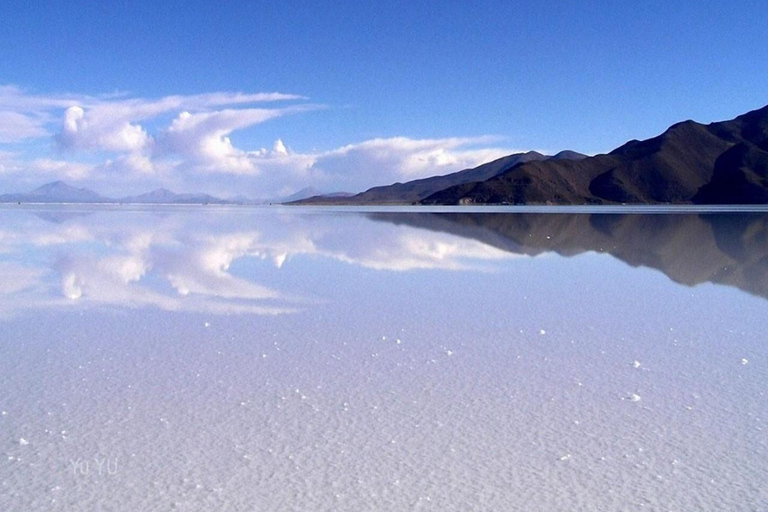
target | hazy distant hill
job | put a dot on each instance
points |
(165, 196)
(719, 163)
(60, 192)
(55, 192)
(305, 193)
(309, 192)
(416, 190)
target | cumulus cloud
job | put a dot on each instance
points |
(109, 123)
(186, 140)
(100, 130)
(113, 125)
(279, 148)
(356, 167)
(118, 130)
(204, 138)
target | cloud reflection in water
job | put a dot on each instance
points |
(178, 259)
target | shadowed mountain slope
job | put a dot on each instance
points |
(416, 190)
(719, 163)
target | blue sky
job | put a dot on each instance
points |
(128, 96)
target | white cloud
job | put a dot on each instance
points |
(15, 277)
(359, 166)
(101, 130)
(185, 141)
(113, 125)
(114, 128)
(16, 126)
(7, 162)
(204, 138)
(13, 98)
(279, 148)
(135, 164)
(382, 161)
(60, 168)
(105, 123)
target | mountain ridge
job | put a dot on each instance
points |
(55, 192)
(165, 196)
(418, 189)
(689, 163)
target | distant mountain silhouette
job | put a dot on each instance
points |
(307, 193)
(730, 248)
(719, 163)
(60, 192)
(165, 196)
(416, 190)
(55, 192)
(301, 194)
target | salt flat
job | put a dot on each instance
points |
(317, 359)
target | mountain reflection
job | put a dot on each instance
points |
(198, 260)
(722, 248)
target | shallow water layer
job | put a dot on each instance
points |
(172, 358)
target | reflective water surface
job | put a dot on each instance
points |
(171, 358)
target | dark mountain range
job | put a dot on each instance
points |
(719, 163)
(339, 194)
(416, 190)
(567, 154)
(730, 249)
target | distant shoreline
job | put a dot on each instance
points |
(477, 208)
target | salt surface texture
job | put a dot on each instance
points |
(292, 359)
